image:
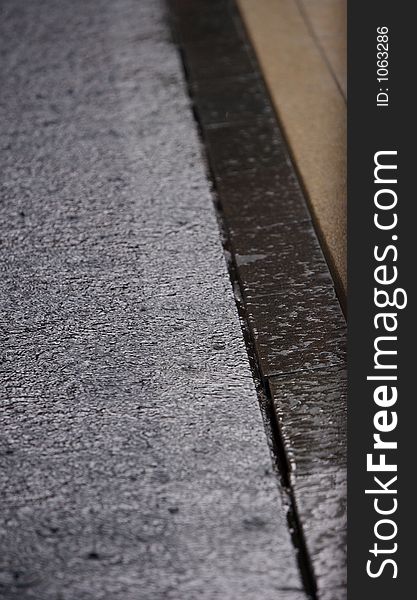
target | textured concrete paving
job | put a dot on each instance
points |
(134, 461)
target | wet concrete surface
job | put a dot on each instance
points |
(242, 147)
(251, 203)
(245, 93)
(321, 504)
(134, 458)
(311, 413)
(291, 304)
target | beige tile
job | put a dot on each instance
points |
(327, 20)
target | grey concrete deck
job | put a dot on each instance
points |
(134, 461)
